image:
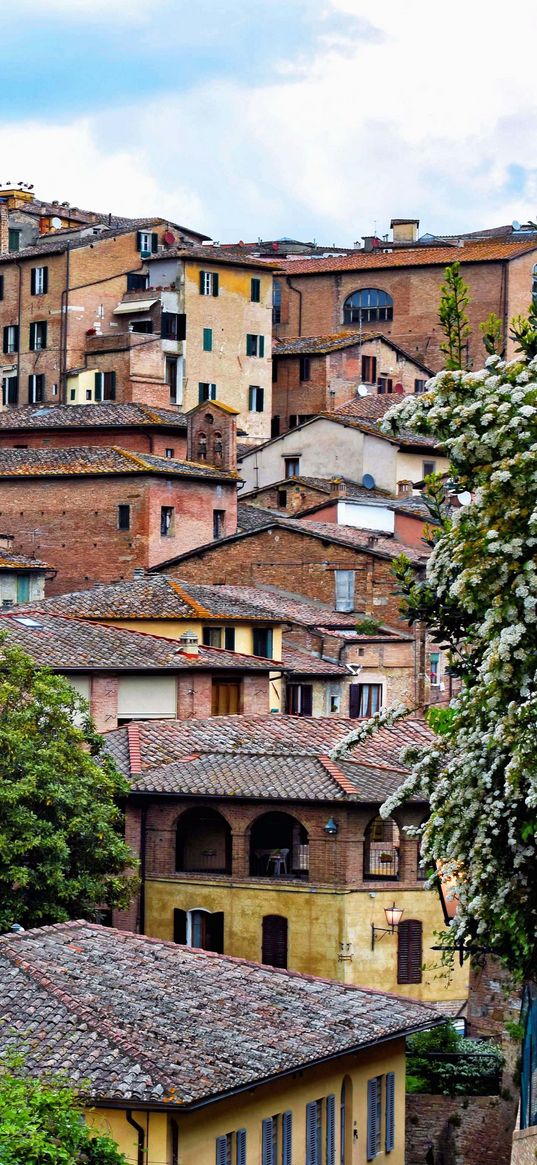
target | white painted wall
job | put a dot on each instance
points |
(365, 517)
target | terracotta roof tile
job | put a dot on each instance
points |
(304, 664)
(487, 252)
(337, 341)
(139, 1019)
(98, 460)
(108, 414)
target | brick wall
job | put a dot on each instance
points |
(72, 522)
(462, 1130)
(141, 440)
(303, 565)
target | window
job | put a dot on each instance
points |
(262, 641)
(147, 242)
(137, 281)
(293, 421)
(166, 521)
(256, 398)
(208, 283)
(172, 326)
(205, 930)
(224, 1148)
(428, 467)
(105, 386)
(334, 702)
(144, 326)
(171, 379)
(292, 466)
(369, 369)
(364, 700)
(282, 499)
(14, 239)
(374, 1116)
(38, 335)
(123, 517)
(207, 339)
(169, 453)
(317, 1152)
(409, 951)
(36, 388)
(304, 367)
(345, 1122)
(206, 391)
(226, 698)
(367, 306)
(419, 386)
(435, 669)
(299, 699)
(275, 427)
(23, 588)
(219, 637)
(344, 583)
(39, 280)
(385, 384)
(276, 302)
(274, 940)
(255, 345)
(219, 523)
(381, 849)
(255, 290)
(10, 390)
(11, 338)
(390, 1112)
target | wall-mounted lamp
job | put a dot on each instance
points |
(330, 827)
(393, 918)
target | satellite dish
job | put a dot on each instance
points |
(368, 481)
(56, 222)
(464, 498)
(515, 225)
(168, 238)
(362, 390)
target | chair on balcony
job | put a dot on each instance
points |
(278, 860)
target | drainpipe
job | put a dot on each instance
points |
(19, 309)
(299, 293)
(143, 850)
(141, 1137)
(64, 324)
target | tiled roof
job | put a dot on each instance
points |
(367, 408)
(105, 415)
(275, 777)
(156, 596)
(11, 561)
(85, 236)
(250, 517)
(303, 664)
(300, 609)
(353, 492)
(488, 252)
(130, 1018)
(376, 544)
(336, 341)
(94, 460)
(212, 255)
(404, 438)
(68, 644)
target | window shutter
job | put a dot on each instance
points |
(267, 1142)
(215, 284)
(354, 700)
(112, 385)
(229, 638)
(179, 926)
(274, 940)
(207, 339)
(139, 240)
(181, 326)
(330, 1130)
(372, 1086)
(287, 1138)
(307, 700)
(1, 286)
(261, 345)
(98, 386)
(32, 337)
(241, 1146)
(311, 1134)
(260, 400)
(45, 280)
(221, 1151)
(409, 951)
(390, 1111)
(154, 242)
(5, 343)
(33, 280)
(251, 397)
(202, 282)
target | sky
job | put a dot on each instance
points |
(312, 119)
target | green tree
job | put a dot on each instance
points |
(524, 331)
(42, 1123)
(453, 318)
(62, 853)
(492, 332)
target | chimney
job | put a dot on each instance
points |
(338, 487)
(405, 230)
(4, 228)
(188, 645)
(6, 541)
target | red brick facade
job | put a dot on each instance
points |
(142, 439)
(194, 695)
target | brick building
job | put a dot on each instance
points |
(256, 843)
(398, 291)
(142, 428)
(318, 374)
(22, 577)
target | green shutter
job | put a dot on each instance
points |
(32, 337)
(207, 339)
(98, 386)
(261, 351)
(202, 282)
(154, 242)
(215, 283)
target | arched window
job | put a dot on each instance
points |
(345, 1122)
(381, 849)
(218, 446)
(203, 842)
(202, 447)
(278, 847)
(367, 306)
(274, 940)
(409, 951)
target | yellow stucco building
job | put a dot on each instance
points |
(190, 1058)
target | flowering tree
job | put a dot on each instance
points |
(479, 597)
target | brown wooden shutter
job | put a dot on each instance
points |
(354, 700)
(274, 944)
(179, 926)
(409, 951)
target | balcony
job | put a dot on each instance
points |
(279, 848)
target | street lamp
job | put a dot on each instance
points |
(393, 917)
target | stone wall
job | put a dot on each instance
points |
(459, 1130)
